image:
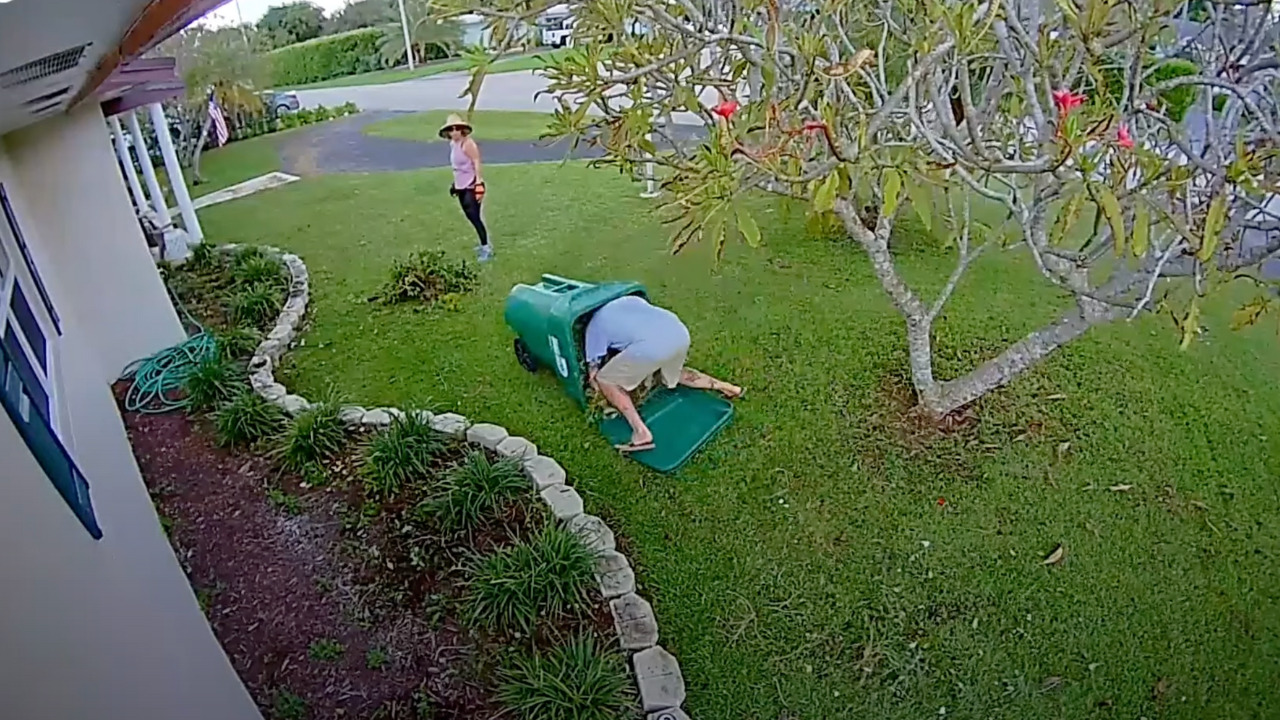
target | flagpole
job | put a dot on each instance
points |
(240, 16)
(408, 41)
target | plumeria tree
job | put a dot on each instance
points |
(1130, 152)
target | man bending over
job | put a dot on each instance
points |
(648, 339)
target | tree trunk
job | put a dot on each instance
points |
(199, 150)
(1016, 359)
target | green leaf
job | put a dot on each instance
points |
(1249, 313)
(749, 229)
(1111, 209)
(1213, 224)
(1141, 230)
(1190, 324)
(1067, 217)
(891, 186)
(721, 238)
(824, 198)
(922, 202)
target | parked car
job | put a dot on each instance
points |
(280, 102)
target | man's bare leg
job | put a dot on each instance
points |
(694, 379)
(621, 399)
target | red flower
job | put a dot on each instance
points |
(942, 501)
(1067, 101)
(726, 109)
(1123, 138)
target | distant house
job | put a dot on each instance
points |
(97, 619)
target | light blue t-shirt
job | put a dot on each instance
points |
(650, 332)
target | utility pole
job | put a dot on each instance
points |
(408, 39)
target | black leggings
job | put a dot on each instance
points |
(471, 208)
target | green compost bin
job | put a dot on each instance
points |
(550, 322)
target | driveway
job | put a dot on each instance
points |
(504, 91)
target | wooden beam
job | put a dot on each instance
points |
(157, 21)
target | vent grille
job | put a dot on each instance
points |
(42, 68)
(49, 96)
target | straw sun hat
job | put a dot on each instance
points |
(454, 121)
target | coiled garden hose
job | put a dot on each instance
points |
(159, 378)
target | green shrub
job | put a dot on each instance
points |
(1180, 99)
(246, 419)
(476, 489)
(326, 57)
(237, 343)
(546, 577)
(427, 276)
(326, 649)
(258, 271)
(314, 436)
(577, 681)
(212, 382)
(204, 258)
(400, 455)
(256, 306)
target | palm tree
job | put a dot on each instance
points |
(426, 28)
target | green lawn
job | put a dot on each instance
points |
(488, 124)
(804, 565)
(535, 61)
(236, 162)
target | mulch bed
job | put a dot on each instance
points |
(279, 563)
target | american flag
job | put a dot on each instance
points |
(219, 126)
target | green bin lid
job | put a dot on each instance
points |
(682, 421)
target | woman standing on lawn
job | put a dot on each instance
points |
(468, 183)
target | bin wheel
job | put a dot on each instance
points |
(524, 357)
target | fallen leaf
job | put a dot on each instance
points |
(1056, 396)
(1063, 448)
(1199, 504)
(1160, 690)
(1120, 488)
(1050, 683)
(1056, 556)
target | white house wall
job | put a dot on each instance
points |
(109, 628)
(74, 192)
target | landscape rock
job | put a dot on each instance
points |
(287, 319)
(294, 404)
(393, 413)
(564, 501)
(422, 416)
(671, 714)
(261, 379)
(260, 363)
(617, 583)
(487, 435)
(297, 304)
(450, 424)
(593, 532)
(660, 681)
(270, 348)
(544, 472)
(611, 561)
(376, 418)
(517, 447)
(637, 627)
(281, 334)
(273, 393)
(351, 414)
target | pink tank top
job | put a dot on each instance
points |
(464, 168)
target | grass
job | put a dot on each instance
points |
(475, 490)
(800, 565)
(492, 125)
(230, 165)
(518, 63)
(575, 681)
(401, 455)
(325, 650)
(544, 578)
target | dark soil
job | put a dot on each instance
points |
(280, 563)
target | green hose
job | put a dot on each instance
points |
(157, 379)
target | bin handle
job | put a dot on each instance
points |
(561, 281)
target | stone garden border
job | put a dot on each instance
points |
(657, 673)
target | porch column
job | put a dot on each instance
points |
(158, 205)
(174, 170)
(126, 165)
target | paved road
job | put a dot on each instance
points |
(505, 91)
(341, 146)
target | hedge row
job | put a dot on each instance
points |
(326, 57)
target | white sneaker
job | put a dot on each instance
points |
(484, 253)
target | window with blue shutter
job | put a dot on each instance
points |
(29, 331)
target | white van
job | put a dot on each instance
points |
(556, 26)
